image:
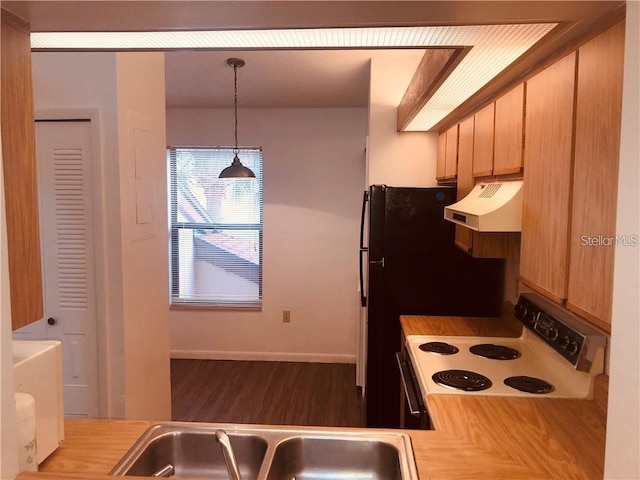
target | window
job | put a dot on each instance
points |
(216, 229)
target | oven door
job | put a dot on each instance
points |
(415, 414)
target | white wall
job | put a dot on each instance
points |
(118, 92)
(399, 159)
(313, 183)
(78, 85)
(8, 445)
(623, 422)
(143, 217)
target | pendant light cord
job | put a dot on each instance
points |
(235, 107)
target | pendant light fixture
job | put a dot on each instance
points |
(236, 169)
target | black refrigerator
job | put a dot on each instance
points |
(412, 267)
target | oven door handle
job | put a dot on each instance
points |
(407, 384)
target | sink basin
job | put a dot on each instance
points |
(192, 453)
(270, 453)
(335, 458)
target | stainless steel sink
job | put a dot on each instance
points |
(270, 453)
(321, 458)
(190, 452)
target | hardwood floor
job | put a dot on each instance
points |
(277, 393)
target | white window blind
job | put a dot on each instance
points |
(216, 228)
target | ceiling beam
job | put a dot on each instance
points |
(436, 65)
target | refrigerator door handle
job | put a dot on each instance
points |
(377, 262)
(365, 199)
(363, 297)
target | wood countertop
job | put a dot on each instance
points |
(505, 326)
(474, 438)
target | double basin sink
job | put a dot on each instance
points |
(269, 453)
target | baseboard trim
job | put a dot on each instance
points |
(263, 356)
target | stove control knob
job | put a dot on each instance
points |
(572, 348)
(553, 334)
(564, 343)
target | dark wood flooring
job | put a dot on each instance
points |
(276, 393)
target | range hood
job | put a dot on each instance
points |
(490, 207)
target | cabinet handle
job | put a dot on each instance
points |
(51, 321)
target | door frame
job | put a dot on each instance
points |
(93, 115)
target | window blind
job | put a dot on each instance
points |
(215, 228)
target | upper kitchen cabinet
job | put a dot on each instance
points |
(569, 205)
(447, 162)
(499, 136)
(595, 176)
(451, 155)
(19, 168)
(441, 159)
(483, 141)
(547, 180)
(508, 152)
(464, 236)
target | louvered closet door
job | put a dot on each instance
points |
(66, 209)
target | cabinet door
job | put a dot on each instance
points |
(483, 141)
(547, 178)
(466, 182)
(509, 124)
(442, 149)
(19, 165)
(595, 178)
(451, 154)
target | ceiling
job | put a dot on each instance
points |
(300, 78)
(277, 79)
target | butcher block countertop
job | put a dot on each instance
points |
(474, 438)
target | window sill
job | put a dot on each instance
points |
(234, 308)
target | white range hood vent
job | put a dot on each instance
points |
(490, 207)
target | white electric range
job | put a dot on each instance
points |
(557, 356)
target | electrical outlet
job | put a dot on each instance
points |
(286, 316)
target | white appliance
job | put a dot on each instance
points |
(37, 370)
(557, 356)
(490, 207)
(534, 361)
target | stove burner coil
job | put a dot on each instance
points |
(461, 380)
(495, 352)
(439, 348)
(529, 384)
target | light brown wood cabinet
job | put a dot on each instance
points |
(508, 151)
(442, 150)
(19, 168)
(499, 135)
(447, 161)
(483, 141)
(451, 154)
(547, 179)
(571, 176)
(466, 182)
(595, 176)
